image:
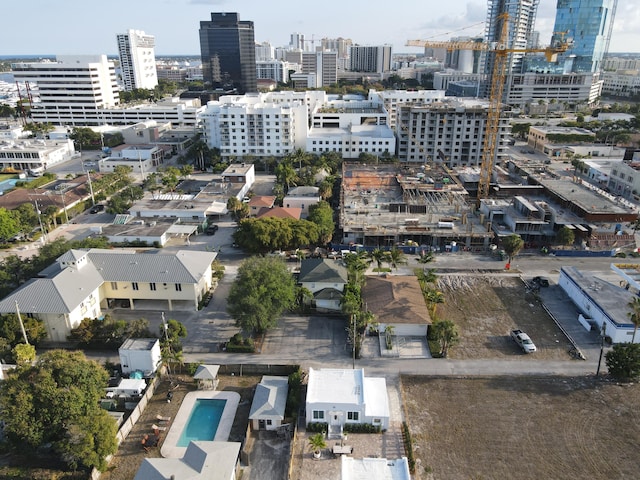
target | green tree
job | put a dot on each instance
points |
(565, 236)
(512, 245)
(170, 178)
(623, 361)
(9, 225)
(175, 332)
(317, 443)
(24, 353)
(238, 209)
(445, 333)
(263, 289)
(322, 215)
(56, 402)
(86, 138)
(286, 174)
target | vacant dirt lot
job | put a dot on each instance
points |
(523, 427)
(487, 307)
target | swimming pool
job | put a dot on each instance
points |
(204, 415)
(203, 421)
(8, 184)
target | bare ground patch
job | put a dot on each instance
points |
(487, 307)
(523, 427)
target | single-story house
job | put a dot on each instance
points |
(397, 300)
(207, 377)
(140, 354)
(325, 279)
(600, 302)
(280, 212)
(269, 402)
(84, 282)
(202, 460)
(342, 396)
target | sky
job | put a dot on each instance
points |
(66, 27)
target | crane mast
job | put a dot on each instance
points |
(498, 78)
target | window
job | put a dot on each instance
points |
(318, 414)
(114, 285)
(152, 287)
(178, 287)
(134, 285)
(353, 416)
(269, 422)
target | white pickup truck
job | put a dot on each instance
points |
(523, 341)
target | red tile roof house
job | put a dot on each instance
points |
(280, 212)
(259, 202)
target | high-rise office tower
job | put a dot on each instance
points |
(522, 16)
(137, 60)
(227, 48)
(588, 24)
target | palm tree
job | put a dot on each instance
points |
(396, 257)
(433, 298)
(634, 316)
(378, 256)
(317, 443)
(446, 333)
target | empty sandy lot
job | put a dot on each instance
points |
(487, 307)
(523, 427)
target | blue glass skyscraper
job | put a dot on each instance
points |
(588, 24)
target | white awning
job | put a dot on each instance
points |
(182, 229)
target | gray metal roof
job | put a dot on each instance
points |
(60, 294)
(321, 270)
(63, 292)
(270, 398)
(207, 372)
(183, 267)
(210, 460)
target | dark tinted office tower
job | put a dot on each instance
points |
(228, 51)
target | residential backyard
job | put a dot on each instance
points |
(523, 427)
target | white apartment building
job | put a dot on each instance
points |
(254, 125)
(264, 52)
(621, 82)
(34, 155)
(137, 60)
(393, 99)
(451, 131)
(69, 88)
(277, 70)
(351, 127)
(373, 59)
(620, 63)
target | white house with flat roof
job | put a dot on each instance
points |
(342, 396)
(601, 303)
(141, 354)
(84, 282)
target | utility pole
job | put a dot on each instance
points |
(353, 316)
(602, 335)
(24, 332)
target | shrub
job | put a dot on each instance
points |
(361, 428)
(408, 447)
(317, 427)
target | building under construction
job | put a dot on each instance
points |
(384, 205)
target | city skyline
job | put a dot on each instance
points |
(80, 28)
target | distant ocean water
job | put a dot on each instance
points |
(7, 77)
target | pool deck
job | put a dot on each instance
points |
(170, 447)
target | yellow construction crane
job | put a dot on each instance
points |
(501, 51)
